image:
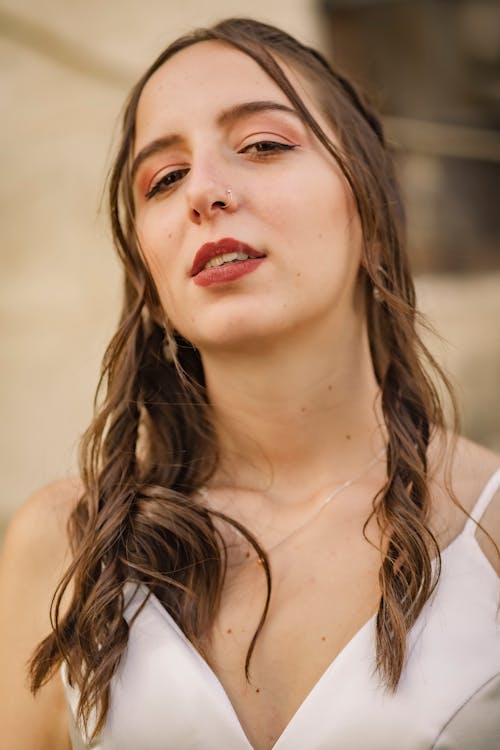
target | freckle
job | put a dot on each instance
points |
(257, 690)
(170, 235)
(330, 387)
(299, 275)
(303, 409)
(229, 631)
(347, 437)
(323, 638)
(247, 554)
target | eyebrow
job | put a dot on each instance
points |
(227, 117)
(159, 144)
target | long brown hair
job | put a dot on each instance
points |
(151, 444)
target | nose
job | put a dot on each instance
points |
(209, 198)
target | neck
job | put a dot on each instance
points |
(296, 416)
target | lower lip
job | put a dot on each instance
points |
(225, 274)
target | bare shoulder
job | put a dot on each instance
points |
(40, 527)
(472, 466)
(34, 556)
(472, 470)
(48, 509)
(487, 466)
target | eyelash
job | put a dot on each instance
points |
(275, 146)
(166, 182)
(262, 149)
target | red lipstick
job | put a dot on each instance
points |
(228, 271)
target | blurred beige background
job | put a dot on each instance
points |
(66, 68)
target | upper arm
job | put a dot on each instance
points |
(34, 556)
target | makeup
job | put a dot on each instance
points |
(224, 261)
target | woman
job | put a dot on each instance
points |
(274, 540)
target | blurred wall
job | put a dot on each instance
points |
(433, 68)
(66, 68)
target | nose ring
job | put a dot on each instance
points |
(229, 199)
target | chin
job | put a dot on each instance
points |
(236, 343)
(236, 338)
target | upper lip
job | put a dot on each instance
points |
(225, 245)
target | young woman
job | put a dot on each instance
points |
(275, 541)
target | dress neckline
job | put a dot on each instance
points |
(466, 533)
(365, 630)
(336, 661)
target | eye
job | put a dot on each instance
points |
(166, 182)
(263, 148)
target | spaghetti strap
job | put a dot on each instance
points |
(484, 499)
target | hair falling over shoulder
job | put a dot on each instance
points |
(151, 445)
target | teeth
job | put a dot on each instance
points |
(219, 260)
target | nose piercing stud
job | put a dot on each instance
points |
(229, 199)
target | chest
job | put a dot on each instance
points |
(322, 593)
(453, 656)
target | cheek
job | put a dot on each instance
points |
(156, 245)
(329, 218)
(339, 218)
(333, 226)
(323, 196)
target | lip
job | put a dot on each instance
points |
(225, 245)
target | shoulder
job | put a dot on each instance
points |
(54, 501)
(471, 465)
(36, 548)
(40, 524)
(488, 532)
(471, 468)
(35, 554)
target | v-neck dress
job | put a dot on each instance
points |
(164, 696)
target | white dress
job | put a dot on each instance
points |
(164, 696)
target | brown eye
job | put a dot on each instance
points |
(265, 147)
(166, 182)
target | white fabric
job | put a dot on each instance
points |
(165, 697)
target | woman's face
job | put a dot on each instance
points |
(283, 254)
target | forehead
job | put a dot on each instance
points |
(202, 79)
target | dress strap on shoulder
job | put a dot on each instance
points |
(484, 499)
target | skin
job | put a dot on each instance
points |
(287, 362)
(257, 155)
(302, 300)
